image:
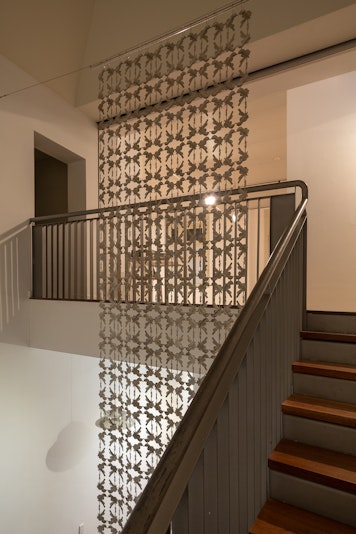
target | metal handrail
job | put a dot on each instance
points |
(185, 198)
(12, 232)
(162, 494)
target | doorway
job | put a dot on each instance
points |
(51, 185)
(60, 178)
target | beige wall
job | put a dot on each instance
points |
(22, 114)
(321, 137)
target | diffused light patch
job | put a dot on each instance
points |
(210, 200)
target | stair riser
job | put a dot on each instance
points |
(331, 322)
(316, 498)
(319, 434)
(328, 351)
(325, 387)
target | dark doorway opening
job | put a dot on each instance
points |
(60, 178)
(51, 185)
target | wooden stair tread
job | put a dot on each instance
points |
(330, 411)
(333, 370)
(277, 517)
(328, 336)
(315, 464)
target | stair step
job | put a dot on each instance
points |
(331, 321)
(331, 351)
(328, 336)
(277, 517)
(324, 387)
(314, 497)
(339, 413)
(313, 349)
(329, 369)
(318, 433)
(321, 466)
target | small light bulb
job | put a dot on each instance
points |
(210, 200)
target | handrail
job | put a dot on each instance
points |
(249, 189)
(14, 231)
(162, 494)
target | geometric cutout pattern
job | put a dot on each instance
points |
(172, 263)
(158, 356)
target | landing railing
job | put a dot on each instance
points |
(15, 267)
(213, 475)
(149, 267)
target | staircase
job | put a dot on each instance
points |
(312, 471)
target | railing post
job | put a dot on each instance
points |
(37, 274)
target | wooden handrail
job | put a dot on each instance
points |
(158, 502)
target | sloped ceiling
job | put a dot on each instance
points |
(47, 38)
(63, 39)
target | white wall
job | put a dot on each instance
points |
(321, 149)
(64, 326)
(48, 449)
(21, 114)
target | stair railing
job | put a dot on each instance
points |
(66, 248)
(15, 267)
(213, 475)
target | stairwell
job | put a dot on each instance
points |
(312, 471)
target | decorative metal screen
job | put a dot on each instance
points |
(172, 149)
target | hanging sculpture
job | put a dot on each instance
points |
(172, 153)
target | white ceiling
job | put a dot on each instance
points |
(63, 39)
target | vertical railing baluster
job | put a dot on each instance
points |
(142, 258)
(6, 285)
(166, 257)
(78, 259)
(149, 256)
(100, 247)
(74, 258)
(71, 261)
(133, 258)
(204, 259)
(2, 288)
(82, 270)
(214, 259)
(48, 263)
(91, 262)
(127, 275)
(159, 255)
(175, 248)
(12, 280)
(64, 260)
(193, 271)
(84, 284)
(258, 238)
(185, 269)
(53, 262)
(60, 260)
(68, 260)
(57, 260)
(225, 244)
(248, 209)
(18, 243)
